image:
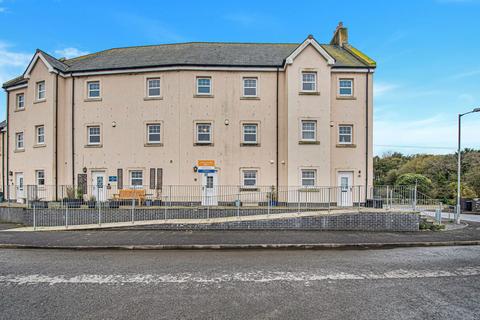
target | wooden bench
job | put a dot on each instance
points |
(130, 194)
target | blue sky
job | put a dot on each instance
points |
(427, 51)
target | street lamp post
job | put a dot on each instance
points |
(459, 164)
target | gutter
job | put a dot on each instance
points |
(366, 134)
(277, 141)
(56, 137)
(73, 131)
(7, 172)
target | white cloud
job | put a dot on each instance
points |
(70, 52)
(381, 88)
(436, 134)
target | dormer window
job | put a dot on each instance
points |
(41, 91)
(309, 81)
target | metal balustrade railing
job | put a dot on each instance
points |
(67, 205)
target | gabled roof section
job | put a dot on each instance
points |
(14, 82)
(310, 41)
(52, 64)
(360, 55)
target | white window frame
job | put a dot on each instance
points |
(304, 131)
(340, 88)
(305, 82)
(244, 125)
(198, 86)
(89, 135)
(131, 178)
(22, 101)
(314, 178)
(19, 141)
(41, 92)
(38, 135)
(345, 134)
(251, 178)
(150, 125)
(197, 133)
(89, 90)
(247, 79)
(38, 179)
(159, 87)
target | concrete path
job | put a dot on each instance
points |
(131, 238)
(408, 283)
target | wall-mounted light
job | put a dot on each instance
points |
(359, 173)
(114, 124)
(195, 169)
(227, 122)
(272, 162)
(84, 169)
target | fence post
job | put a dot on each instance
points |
(66, 217)
(329, 199)
(208, 212)
(388, 194)
(238, 204)
(34, 218)
(298, 199)
(133, 211)
(99, 214)
(415, 198)
(268, 206)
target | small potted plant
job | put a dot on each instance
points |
(74, 198)
(273, 197)
(92, 201)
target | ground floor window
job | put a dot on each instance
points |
(40, 177)
(249, 178)
(308, 177)
(136, 178)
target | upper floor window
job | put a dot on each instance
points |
(20, 101)
(153, 87)
(309, 130)
(93, 89)
(19, 141)
(40, 177)
(249, 178)
(309, 81)
(249, 87)
(250, 133)
(204, 133)
(40, 134)
(41, 91)
(136, 178)
(345, 87)
(345, 134)
(204, 86)
(153, 133)
(308, 177)
(93, 135)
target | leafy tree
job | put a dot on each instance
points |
(424, 185)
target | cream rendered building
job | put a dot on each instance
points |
(258, 114)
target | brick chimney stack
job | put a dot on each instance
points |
(340, 35)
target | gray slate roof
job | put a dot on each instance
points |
(194, 54)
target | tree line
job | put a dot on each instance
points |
(435, 175)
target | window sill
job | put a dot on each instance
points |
(93, 146)
(249, 98)
(309, 93)
(153, 144)
(308, 142)
(346, 145)
(243, 144)
(39, 145)
(309, 189)
(92, 99)
(203, 95)
(18, 110)
(248, 189)
(199, 144)
(18, 150)
(39, 101)
(346, 98)
(153, 98)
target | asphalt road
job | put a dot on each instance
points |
(411, 283)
